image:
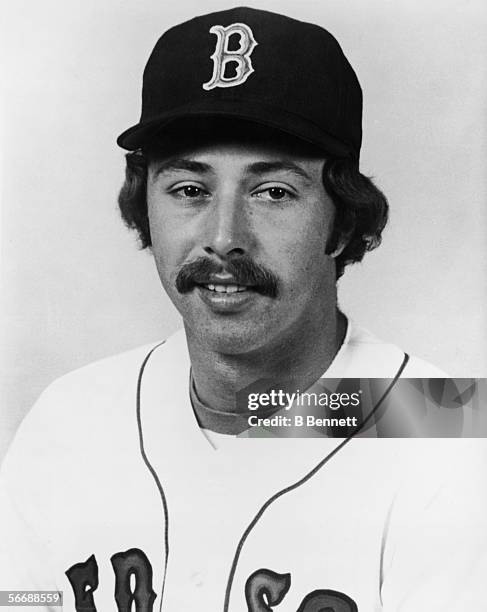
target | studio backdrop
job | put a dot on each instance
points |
(75, 287)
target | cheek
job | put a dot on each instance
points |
(167, 236)
(166, 247)
(305, 265)
(300, 248)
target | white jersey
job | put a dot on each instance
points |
(112, 504)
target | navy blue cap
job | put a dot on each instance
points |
(256, 66)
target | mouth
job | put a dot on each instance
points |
(226, 298)
(226, 288)
(237, 277)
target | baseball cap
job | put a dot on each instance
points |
(256, 66)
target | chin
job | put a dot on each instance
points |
(231, 337)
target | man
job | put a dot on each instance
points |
(148, 487)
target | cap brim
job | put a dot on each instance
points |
(144, 132)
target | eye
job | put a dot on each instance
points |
(274, 193)
(190, 191)
(277, 193)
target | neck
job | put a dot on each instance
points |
(301, 357)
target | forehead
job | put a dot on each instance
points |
(224, 138)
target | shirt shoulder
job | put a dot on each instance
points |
(94, 396)
(109, 381)
(364, 355)
(111, 377)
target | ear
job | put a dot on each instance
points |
(340, 245)
(338, 250)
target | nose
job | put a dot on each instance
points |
(228, 232)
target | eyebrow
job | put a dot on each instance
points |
(261, 167)
(182, 164)
(264, 167)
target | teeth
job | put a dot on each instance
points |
(226, 288)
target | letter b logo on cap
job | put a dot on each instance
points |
(223, 56)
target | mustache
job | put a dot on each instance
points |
(243, 269)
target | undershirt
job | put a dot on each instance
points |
(220, 421)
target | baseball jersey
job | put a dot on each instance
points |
(113, 494)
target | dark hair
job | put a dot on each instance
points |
(361, 208)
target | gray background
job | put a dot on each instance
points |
(74, 286)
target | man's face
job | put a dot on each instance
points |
(239, 236)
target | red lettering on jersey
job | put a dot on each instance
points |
(265, 589)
